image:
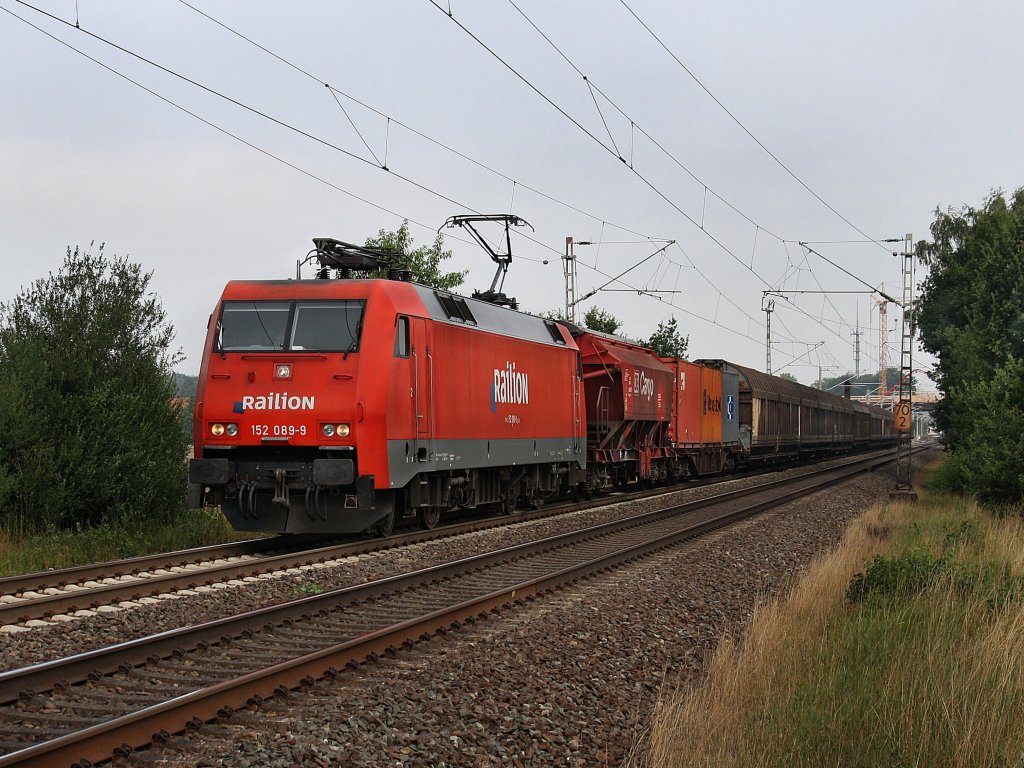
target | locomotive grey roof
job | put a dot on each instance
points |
(488, 317)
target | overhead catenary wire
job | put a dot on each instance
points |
(235, 136)
(242, 105)
(633, 125)
(641, 177)
(588, 133)
(390, 118)
(744, 128)
(303, 171)
(226, 132)
(335, 91)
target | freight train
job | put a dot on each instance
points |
(338, 405)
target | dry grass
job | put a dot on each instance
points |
(930, 678)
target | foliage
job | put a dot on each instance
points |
(597, 319)
(864, 384)
(185, 385)
(114, 541)
(558, 315)
(425, 261)
(971, 316)
(987, 417)
(902, 576)
(185, 397)
(789, 377)
(89, 431)
(923, 668)
(667, 341)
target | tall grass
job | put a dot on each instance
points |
(920, 663)
(60, 549)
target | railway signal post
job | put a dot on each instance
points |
(903, 411)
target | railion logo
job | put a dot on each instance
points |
(509, 386)
(275, 401)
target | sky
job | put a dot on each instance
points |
(736, 130)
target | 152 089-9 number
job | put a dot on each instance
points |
(278, 430)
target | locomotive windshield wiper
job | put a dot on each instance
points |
(355, 336)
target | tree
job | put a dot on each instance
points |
(667, 341)
(971, 316)
(558, 315)
(862, 385)
(597, 319)
(789, 377)
(88, 430)
(425, 261)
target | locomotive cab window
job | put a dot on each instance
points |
(275, 326)
(402, 337)
(253, 326)
(327, 326)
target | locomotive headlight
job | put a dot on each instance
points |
(216, 430)
(343, 430)
(231, 429)
(328, 430)
(282, 370)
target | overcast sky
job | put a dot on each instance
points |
(885, 110)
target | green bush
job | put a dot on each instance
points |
(89, 434)
(902, 576)
(971, 316)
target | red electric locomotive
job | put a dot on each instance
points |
(340, 405)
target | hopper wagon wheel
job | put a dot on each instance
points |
(428, 517)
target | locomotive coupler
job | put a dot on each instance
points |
(281, 488)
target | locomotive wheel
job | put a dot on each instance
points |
(508, 504)
(582, 492)
(428, 517)
(384, 527)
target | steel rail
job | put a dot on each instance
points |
(61, 577)
(135, 729)
(151, 585)
(43, 676)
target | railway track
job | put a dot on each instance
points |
(87, 707)
(40, 599)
